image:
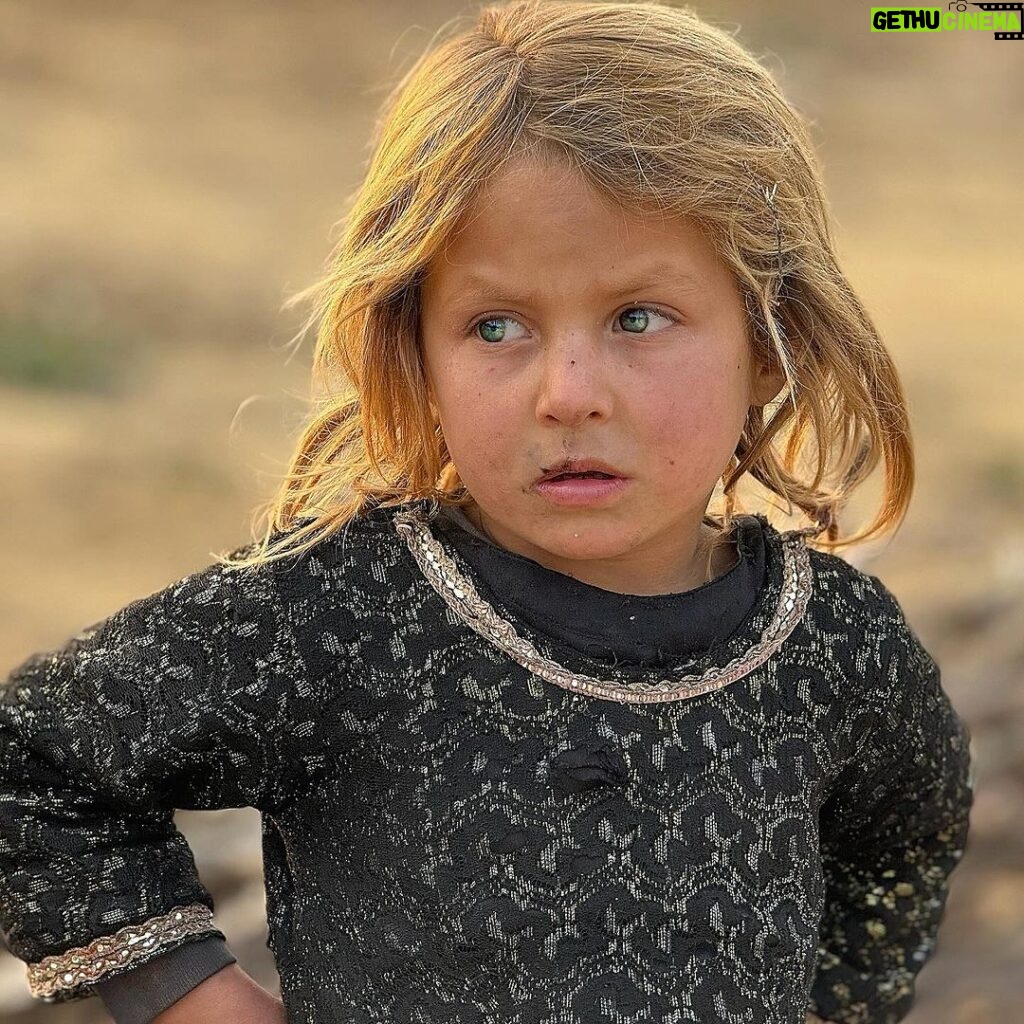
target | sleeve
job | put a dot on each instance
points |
(140, 995)
(892, 830)
(175, 701)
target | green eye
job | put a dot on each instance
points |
(637, 315)
(489, 325)
(636, 319)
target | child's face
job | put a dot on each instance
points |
(559, 362)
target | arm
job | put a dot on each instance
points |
(176, 700)
(200, 981)
(139, 995)
(228, 995)
(892, 831)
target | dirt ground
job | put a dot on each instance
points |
(172, 173)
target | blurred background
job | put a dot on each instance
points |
(171, 172)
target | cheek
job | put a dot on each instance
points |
(673, 414)
(477, 408)
(477, 428)
(690, 432)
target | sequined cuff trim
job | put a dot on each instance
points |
(60, 978)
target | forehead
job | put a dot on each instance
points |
(546, 208)
(548, 225)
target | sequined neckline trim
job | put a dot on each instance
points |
(461, 595)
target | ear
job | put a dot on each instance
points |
(767, 380)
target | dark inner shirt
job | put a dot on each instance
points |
(641, 629)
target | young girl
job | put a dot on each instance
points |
(534, 736)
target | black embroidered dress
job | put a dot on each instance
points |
(489, 793)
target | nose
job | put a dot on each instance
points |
(574, 381)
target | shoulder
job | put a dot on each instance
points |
(890, 650)
(220, 595)
(351, 541)
(363, 558)
(845, 600)
(855, 596)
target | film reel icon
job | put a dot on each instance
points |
(1018, 7)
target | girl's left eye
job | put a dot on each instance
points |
(641, 321)
(646, 311)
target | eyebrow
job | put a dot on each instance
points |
(657, 274)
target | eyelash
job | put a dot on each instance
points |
(501, 316)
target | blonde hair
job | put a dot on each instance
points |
(660, 111)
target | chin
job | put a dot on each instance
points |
(590, 542)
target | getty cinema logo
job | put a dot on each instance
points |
(1002, 19)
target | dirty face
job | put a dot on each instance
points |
(557, 326)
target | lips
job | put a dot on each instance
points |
(571, 468)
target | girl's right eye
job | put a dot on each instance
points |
(489, 323)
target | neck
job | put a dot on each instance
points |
(714, 556)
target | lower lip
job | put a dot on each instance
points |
(581, 491)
